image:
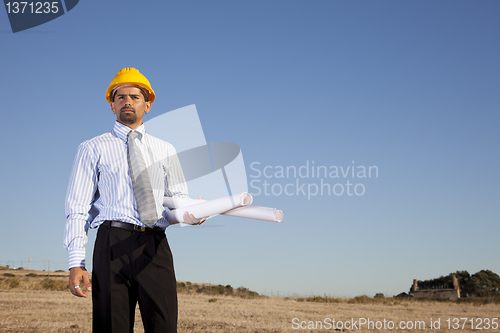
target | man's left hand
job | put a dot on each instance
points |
(190, 219)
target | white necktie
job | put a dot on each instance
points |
(141, 184)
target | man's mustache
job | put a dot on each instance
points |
(127, 108)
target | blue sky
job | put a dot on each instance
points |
(410, 87)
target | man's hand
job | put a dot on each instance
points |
(190, 219)
(77, 274)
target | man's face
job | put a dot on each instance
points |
(129, 106)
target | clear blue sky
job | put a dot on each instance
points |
(410, 87)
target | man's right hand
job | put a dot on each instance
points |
(77, 274)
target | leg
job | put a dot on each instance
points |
(113, 296)
(157, 286)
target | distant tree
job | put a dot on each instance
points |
(463, 281)
(484, 283)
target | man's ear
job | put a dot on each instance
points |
(112, 107)
(148, 107)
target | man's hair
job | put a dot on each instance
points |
(143, 92)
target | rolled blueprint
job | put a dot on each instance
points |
(257, 213)
(205, 208)
(250, 212)
(173, 203)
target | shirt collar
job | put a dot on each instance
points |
(121, 131)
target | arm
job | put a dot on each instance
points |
(79, 196)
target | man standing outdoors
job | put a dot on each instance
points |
(117, 184)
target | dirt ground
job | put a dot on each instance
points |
(58, 311)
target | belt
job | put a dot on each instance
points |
(130, 226)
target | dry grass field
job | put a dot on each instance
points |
(25, 309)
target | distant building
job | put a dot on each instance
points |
(403, 295)
(440, 293)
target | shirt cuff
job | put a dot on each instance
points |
(76, 258)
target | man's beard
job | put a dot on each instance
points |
(128, 117)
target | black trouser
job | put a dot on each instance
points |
(129, 267)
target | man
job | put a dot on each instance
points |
(117, 184)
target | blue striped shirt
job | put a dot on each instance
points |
(100, 187)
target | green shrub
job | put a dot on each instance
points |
(13, 283)
(221, 290)
(50, 284)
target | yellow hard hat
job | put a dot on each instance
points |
(129, 76)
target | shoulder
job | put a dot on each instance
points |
(98, 143)
(98, 140)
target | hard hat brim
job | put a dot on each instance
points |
(111, 88)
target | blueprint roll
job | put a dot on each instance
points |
(174, 203)
(205, 208)
(257, 213)
(249, 212)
